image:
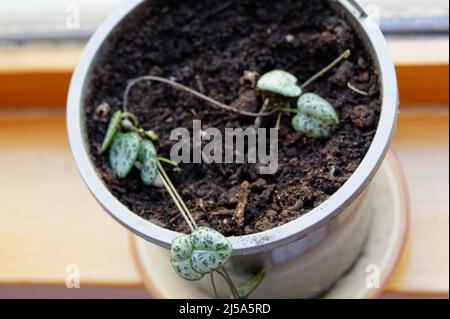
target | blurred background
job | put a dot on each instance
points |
(49, 223)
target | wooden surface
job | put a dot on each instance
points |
(44, 73)
(422, 145)
(48, 219)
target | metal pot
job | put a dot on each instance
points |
(303, 258)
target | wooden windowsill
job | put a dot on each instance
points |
(48, 219)
(44, 72)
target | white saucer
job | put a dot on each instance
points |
(378, 261)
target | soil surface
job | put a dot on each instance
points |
(208, 45)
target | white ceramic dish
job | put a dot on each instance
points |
(389, 206)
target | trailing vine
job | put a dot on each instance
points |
(205, 251)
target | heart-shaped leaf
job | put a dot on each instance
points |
(211, 250)
(149, 159)
(201, 253)
(124, 152)
(181, 258)
(317, 107)
(280, 82)
(111, 131)
(316, 118)
(310, 127)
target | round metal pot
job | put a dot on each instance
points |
(303, 258)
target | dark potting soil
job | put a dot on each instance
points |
(208, 46)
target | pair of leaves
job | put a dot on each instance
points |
(199, 254)
(315, 117)
(125, 149)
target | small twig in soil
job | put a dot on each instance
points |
(322, 72)
(279, 118)
(184, 88)
(198, 80)
(356, 90)
(218, 10)
(259, 119)
(174, 219)
(297, 206)
(103, 110)
(242, 204)
(250, 76)
(223, 212)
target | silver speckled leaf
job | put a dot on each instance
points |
(212, 250)
(310, 127)
(124, 152)
(112, 130)
(280, 82)
(199, 254)
(181, 258)
(149, 159)
(317, 117)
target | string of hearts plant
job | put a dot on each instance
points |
(205, 251)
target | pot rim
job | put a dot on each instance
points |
(270, 239)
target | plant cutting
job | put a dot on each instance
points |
(315, 116)
(205, 251)
(321, 147)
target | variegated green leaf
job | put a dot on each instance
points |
(181, 258)
(317, 107)
(316, 118)
(211, 250)
(124, 152)
(149, 159)
(201, 253)
(310, 127)
(112, 130)
(280, 82)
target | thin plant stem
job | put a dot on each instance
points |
(232, 286)
(177, 204)
(322, 72)
(181, 87)
(178, 198)
(213, 284)
(290, 110)
(229, 282)
(168, 161)
(132, 117)
(259, 119)
(174, 198)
